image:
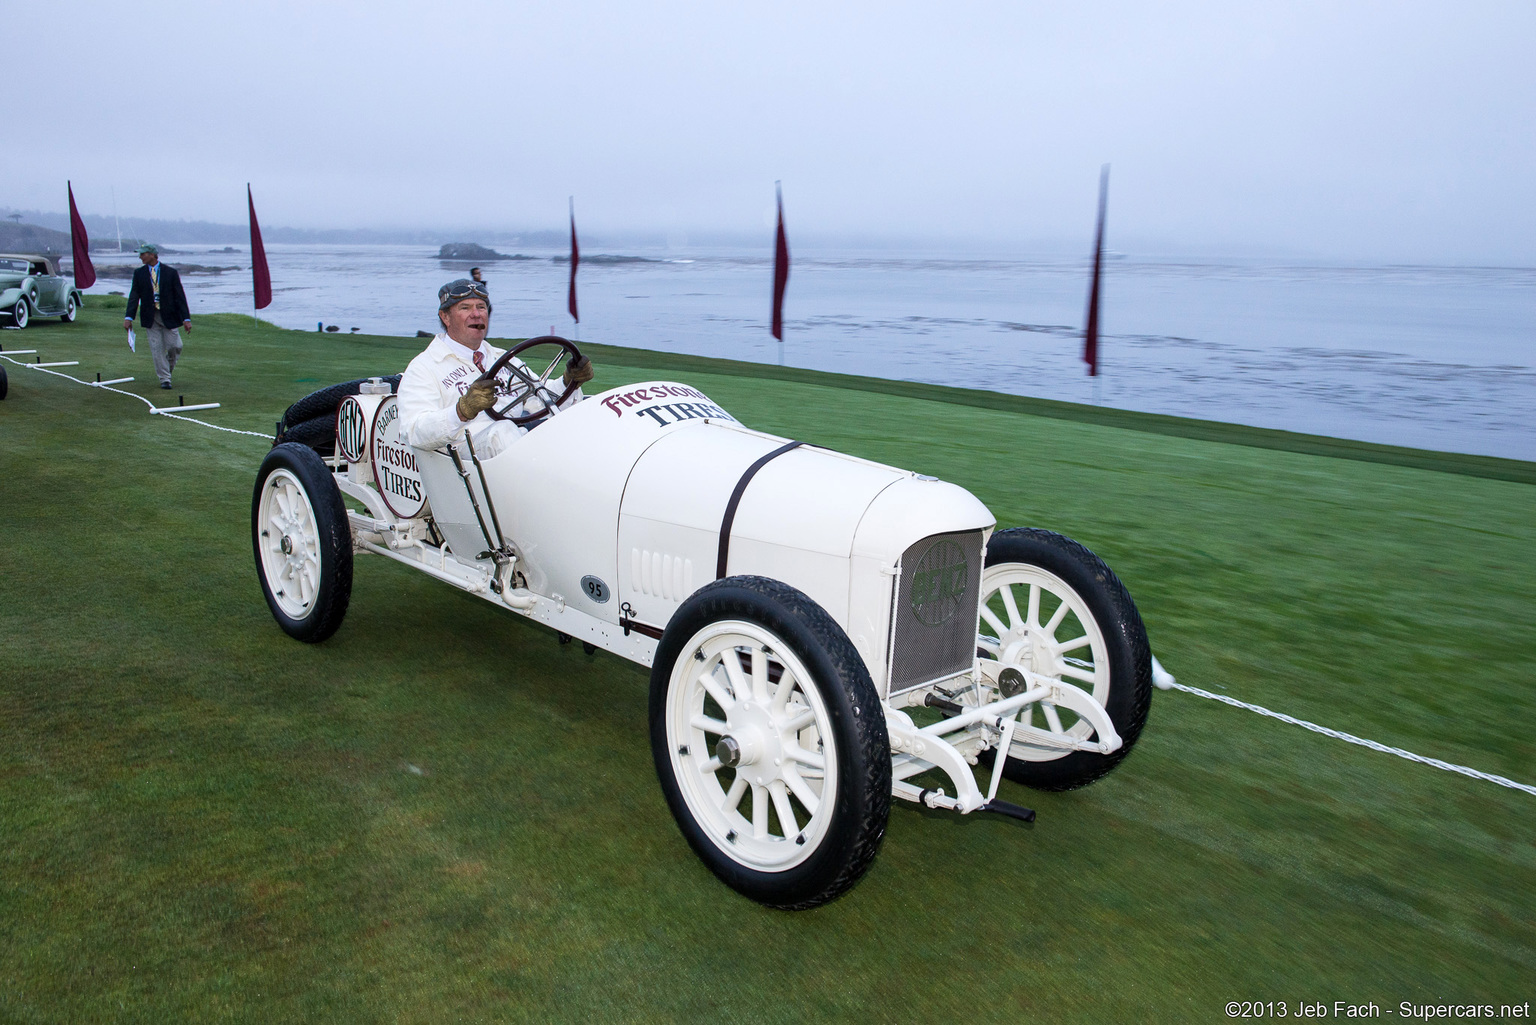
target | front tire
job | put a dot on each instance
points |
(21, 314)
(303, 543)
(769, 742)
(1051, 605)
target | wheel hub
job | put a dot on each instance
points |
(1033, 651)
(756, 742)
(1017, 649)
(287, 545)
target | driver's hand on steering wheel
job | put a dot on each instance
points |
(579, 372)
(480, 397)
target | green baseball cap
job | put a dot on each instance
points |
(149, 247)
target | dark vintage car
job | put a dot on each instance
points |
(31, 286)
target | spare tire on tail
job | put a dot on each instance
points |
(318, 433)
(312, 420)
(324, 401)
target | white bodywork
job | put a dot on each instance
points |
(612, 514)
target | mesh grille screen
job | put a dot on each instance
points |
(934, 633)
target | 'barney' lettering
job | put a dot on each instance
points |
(394, 464)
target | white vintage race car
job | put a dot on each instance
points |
(823, 632)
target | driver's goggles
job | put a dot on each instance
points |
(457, 292)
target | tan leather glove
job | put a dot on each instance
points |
(481, 396)
(579, 372)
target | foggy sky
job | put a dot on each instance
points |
(1393, 131)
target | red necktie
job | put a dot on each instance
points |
(479, 361)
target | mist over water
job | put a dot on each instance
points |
(1431, 357)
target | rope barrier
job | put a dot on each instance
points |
(1164, 682)
(43, 369)
(1350, 738)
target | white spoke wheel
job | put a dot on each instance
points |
(1051, 607)
(769, 742)
(70, 311)
(20, 313)
(302, 541)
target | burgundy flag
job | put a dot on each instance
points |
(261, 278)
(1091, 332)
(780, 269)
(575, 259)
(85, 274)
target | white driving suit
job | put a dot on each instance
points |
(430, 390)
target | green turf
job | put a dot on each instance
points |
(443, 815)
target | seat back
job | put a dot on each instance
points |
(452, 510)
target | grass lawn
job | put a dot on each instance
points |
(442, 815)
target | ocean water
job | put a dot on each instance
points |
(1432, 357)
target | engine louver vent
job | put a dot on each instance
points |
(660, 575)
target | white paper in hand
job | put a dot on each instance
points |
(131, 346)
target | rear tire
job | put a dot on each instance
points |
(799, 816)
(303, 543)
(71, 311)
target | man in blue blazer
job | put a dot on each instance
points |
(157, 293)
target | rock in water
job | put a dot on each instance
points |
(469, 251)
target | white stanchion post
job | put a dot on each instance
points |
(183, 409)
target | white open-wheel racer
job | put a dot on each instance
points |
(823, 632)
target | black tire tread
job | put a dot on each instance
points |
(319, 433)
(335, 541)
(323, 401)
(1082, 767)
(872, 756)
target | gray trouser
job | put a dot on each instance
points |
(165, 346)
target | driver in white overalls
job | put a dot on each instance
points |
(441, 394)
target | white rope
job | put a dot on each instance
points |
(1350, 738)
(131, 395)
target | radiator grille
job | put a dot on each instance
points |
(933, 632)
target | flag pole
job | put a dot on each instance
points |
(255, 322)
(780, 271)
(261, 274)
(1091, 328)
(571, 306)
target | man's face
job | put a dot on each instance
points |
(148, 259)
(467, 321)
